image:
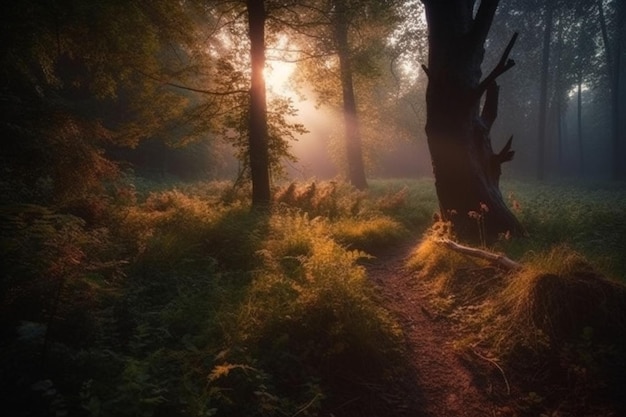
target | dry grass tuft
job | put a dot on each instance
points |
(555, 298)
(431, 259)
(556, 328)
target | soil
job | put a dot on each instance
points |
(444, 383)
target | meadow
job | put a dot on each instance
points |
(178, 300)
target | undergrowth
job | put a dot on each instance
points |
(184, 302)
(586, 217)
(555, 329)
(181, 301)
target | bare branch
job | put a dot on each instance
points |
(503, 66)
(483, 20)
(496, 258)
(184, 87)
(506, 154)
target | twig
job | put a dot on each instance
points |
(307, 405)
(506, 381)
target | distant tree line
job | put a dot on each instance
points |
(566, 96)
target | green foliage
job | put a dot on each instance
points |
(357, 219)
(55, 272)
(189, 304)
(588, 218)
(280, 132)
(369, 234)
(411, 202)
(181, 301)
(314, 308)
(53, 267)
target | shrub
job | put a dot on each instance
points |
(315, 325)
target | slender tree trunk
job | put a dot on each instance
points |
(619, 145)
(543, 93)
(558, 94)
(466, 169)
(258, 140)
(579, 125)
(354, 151)
(559, 137)
(613, 61)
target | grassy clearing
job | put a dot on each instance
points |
(589, 218)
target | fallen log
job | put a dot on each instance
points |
(496, 258)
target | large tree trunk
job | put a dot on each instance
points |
(354, 152)
(258, 141)
(466, 169)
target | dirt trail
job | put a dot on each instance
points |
(444, 387)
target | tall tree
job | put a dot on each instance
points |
(258, 143)
(341, 23)
(345, 38)
(466, 169)
(543, 89)
(613, 50)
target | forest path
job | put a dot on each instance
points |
(443, 386)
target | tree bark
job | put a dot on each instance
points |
(354, 151)
(258, 132)
(466, 169)
(613, 61)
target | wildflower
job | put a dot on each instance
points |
(514, 203)
(484, 208)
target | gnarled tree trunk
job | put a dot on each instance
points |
(466, 169)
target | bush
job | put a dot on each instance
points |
(312, 322)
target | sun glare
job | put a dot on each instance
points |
(277, 75)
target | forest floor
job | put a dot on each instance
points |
(441, 382)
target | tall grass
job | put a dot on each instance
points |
(180, 301)
(190, 304)
(587, 217)
(556, 328)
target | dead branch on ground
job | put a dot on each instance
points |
(496, 258)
